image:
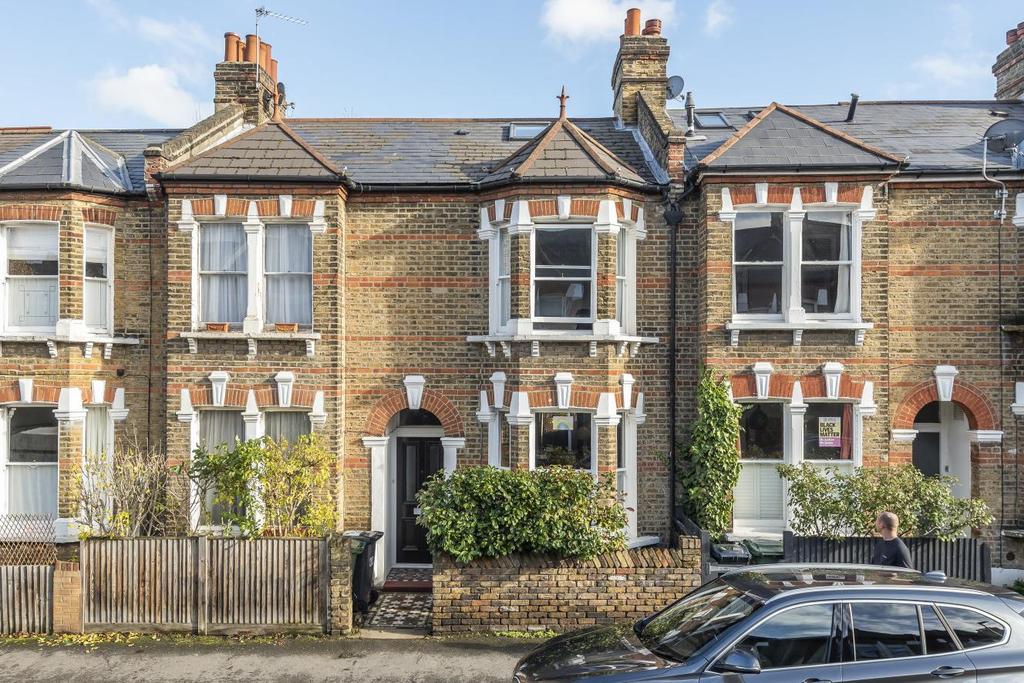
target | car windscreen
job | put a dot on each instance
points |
(681, 629)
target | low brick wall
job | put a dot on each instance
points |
(524, 592)
(67, 598)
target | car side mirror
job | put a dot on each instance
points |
(740, 662)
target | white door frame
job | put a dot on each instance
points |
(953, 461)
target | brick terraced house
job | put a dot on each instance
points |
(435, 293)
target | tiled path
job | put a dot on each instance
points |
(400, 610)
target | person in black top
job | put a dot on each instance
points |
(890, 551)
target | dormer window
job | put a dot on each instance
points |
(525, 131)
(713, 119)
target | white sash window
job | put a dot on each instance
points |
(223, 259)
(288, 262)
(32, 461)
(98, 290)
(31, 272)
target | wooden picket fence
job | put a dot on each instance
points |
(26, 598)
(206, 585)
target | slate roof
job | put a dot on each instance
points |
(779, 136)
(442, 151)
(108, 160)
(270, 152)
(933, 136)
(562, 152)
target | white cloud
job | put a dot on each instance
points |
(158, 91)
(720, 14)
(953, 70)
(152, 91)
(587, 21)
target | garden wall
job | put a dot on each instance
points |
(524, 592)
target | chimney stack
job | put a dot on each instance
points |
(247, 76)
(1009, 66)
(641, 68)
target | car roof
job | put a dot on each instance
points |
(775, 580)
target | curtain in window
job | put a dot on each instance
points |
(32, 276)
(97, 431)
(223, 257)
(289, 271)
(216, 428)
(504, 276)
(843, 288)
(97, 279)
(287, 425)
(32, 462)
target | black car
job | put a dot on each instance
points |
(805, 624)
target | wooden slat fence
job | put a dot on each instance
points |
(203, 585)
(963, 558)
(26, 599)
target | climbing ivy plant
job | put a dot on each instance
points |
(711, 467)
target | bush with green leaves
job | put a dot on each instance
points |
(831, 503)
(264, 487)
(709, 472)
(488, 512)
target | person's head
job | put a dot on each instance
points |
(887, 521)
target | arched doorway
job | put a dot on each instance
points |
(942, 445)
(415, 453)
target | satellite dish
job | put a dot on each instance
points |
(1004, 135)
(675, 87)
(280, 93)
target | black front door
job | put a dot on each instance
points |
(418, 459)
(927, 453)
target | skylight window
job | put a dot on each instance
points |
(714, 119)
(525, 131)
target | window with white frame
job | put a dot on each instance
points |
(32, 276)
(32, 461)
(759, 492)
(98, 290)
(286, 425)
(288, 269)
(223, 280)
(564, 438)
(621, 281)
(765, 270)
(219, 429)
(828, 432)
(504, 284)
(563, 277)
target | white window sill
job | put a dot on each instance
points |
(252, 339)
(88, 341)
(797, 328)
(628, 344)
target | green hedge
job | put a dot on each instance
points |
(487, 512)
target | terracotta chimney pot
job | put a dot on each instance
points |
(273, 71)
(652, 27)
(250, 49)
(231, 41)
(633, 22)
(265, 56)
(240, 51)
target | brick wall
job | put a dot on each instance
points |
(340, 552)
(67, 598)
(531, 592)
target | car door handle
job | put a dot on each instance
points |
(949, 672)
(817, 680)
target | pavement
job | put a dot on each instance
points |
(367, 658)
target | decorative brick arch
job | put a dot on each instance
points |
(975, 406)
(395, 401)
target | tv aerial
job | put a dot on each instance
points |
(269, 98)
(674, 88)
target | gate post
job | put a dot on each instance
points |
(340, 594)
(202, 584)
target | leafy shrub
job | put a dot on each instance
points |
(265, 487)
(712, 467)
(827, 502)
(487, 512)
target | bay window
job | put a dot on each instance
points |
(791, 266)
(288, 264)
(32, 461)
(219, 429)
(564, 439)
(287, 425)
(223, 280)
(563, 278)
(759, 493)
(98, 293)
(31, 275)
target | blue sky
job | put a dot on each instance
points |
(107, 63)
